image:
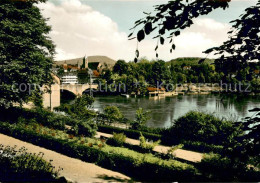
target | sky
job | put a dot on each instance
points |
(100, 27)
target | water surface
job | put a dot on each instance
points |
(165, 110)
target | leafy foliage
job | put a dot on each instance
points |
(198, 126)
(113, 113)
(141, 118)
(80, 109)
(83, 76)
(170, 18)
(118, 139)
(26, 52)
(147, 145)
(121, 67)
(143, 167)
(246, 147)
(135, 134)
(49, 119)
(243, 43)
(19, 165)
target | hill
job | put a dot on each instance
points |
(189, 61)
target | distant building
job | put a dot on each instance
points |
(93, 62)
(187, 68)
(70, 68)
(153, 89)
(69, 79)
(94, 65)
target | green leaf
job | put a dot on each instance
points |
(254, 110)
(177, 33)
(161, 40)
(140, 35)
(130, 35)
(148, 28)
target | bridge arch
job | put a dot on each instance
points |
(66, 95)
(77, 89)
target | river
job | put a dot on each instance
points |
(165, 110)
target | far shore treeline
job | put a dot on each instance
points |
(145, 73)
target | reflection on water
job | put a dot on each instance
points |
(165, 110)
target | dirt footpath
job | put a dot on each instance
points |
(179, 153)
(73, 169)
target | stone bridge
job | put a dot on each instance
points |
(77, 89)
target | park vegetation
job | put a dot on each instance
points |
(18, 164)
(27, 53)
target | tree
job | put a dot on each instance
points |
(241, 47)
(80, 109)
(60, 71)
(243, 44)
(170, 18)
(83, 76)
(159, 72)
(201, 78)
(26, 52)
(198, 126)
(113, 113)
(181, 78)
(107, 74)
(244, 150)
(141, 118)
(120, 67)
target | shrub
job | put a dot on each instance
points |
(80, 109)
(143, 167)
(202, 147)
(87, 128)
(118, 139)
(146, 145)
(64, 108)
(152, 130)
(113, 113)
(135, 134)
(18, 165)
(141, 118)
(217, 167)
(170, 153)
(49, 119)
(198, 126)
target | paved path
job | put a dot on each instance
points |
(179, 153)
(73, 169)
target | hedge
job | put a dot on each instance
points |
(202, 147)
(142, 170)
(47, 118)
(135, 134)
(189, 145)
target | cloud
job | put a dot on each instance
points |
(78, 30)
(203, 34)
